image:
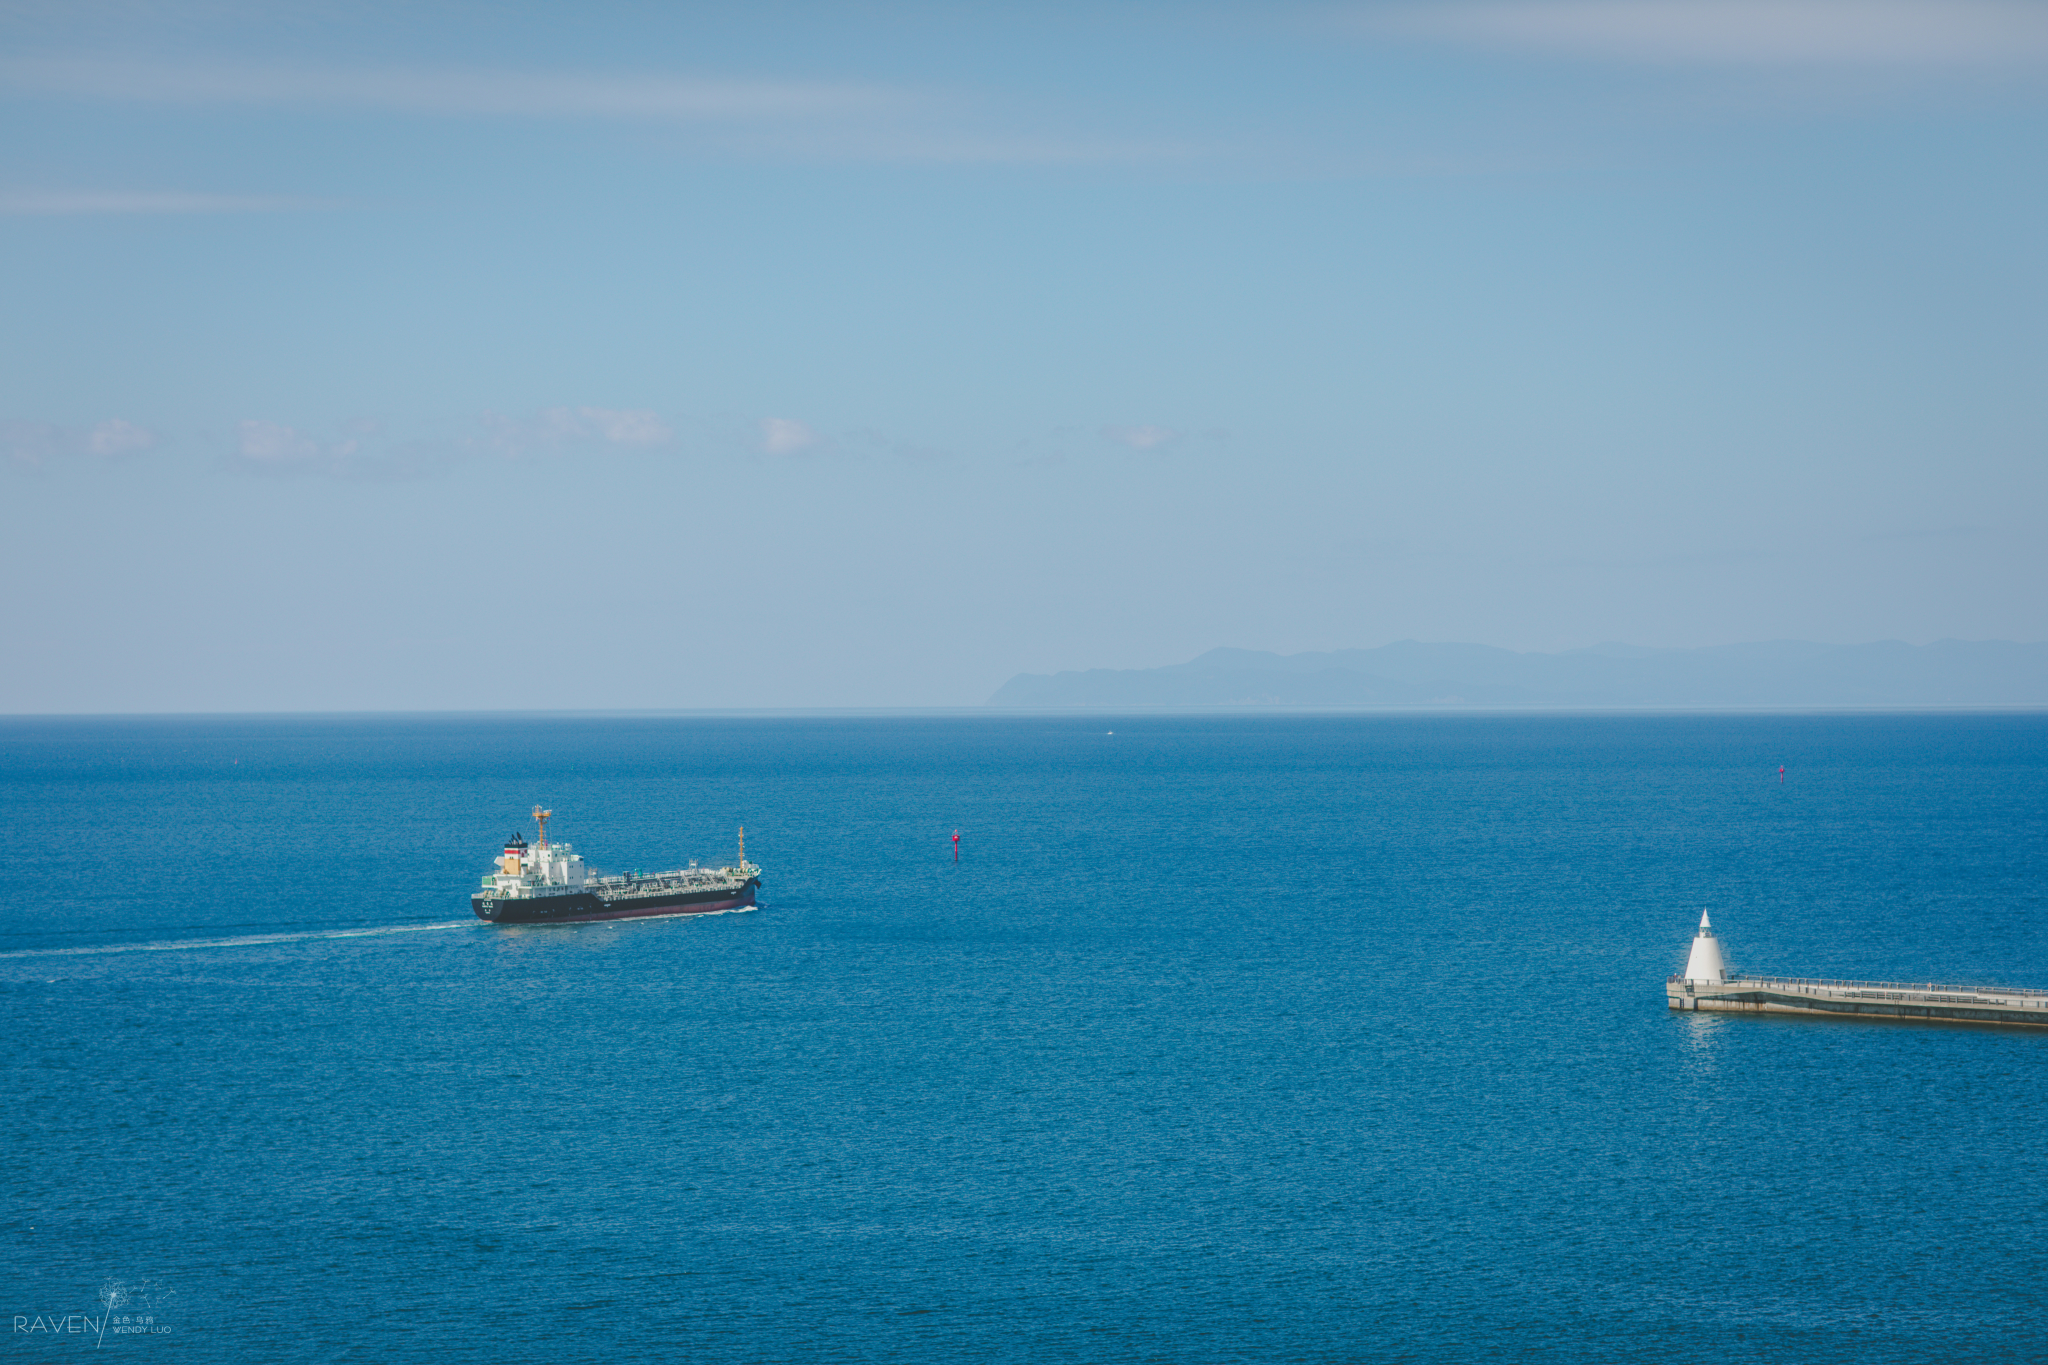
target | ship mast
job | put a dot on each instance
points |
(542, 817)
(743, 845)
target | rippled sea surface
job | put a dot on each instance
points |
(1270, 1038)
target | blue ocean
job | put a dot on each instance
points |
(1252, 1038)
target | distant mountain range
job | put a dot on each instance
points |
(1790, 673)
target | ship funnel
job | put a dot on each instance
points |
(1705, 962)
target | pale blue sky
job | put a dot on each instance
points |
(501, 356)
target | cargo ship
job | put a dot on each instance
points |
(548, 884)
(1710, 984)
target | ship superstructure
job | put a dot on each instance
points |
(543, 883)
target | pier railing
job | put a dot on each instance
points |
(1829, 983)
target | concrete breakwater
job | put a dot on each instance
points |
(1707, 984)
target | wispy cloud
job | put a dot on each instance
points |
(1141, 437)
(272, 447)
(365, 451)
(1898, 33)
(554, 428)
(34, 444)
(623, 426)
(786, 436)
(451, 91)
(31, 203)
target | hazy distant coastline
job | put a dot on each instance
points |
(1788, 673)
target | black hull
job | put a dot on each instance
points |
(582, 907)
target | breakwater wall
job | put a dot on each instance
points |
(1911, 1000)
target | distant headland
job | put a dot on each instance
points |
(1777, 673)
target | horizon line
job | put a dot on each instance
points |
(985, 710)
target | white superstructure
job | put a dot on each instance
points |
(542, 870)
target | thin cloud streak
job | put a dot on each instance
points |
(918, 146)
(272, 448)
(453, 92)
(58, 203)
(1141, 437)
(785, 120)
(1860, 33)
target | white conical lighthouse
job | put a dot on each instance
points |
(1705, 963)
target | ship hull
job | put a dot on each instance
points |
(581, 907)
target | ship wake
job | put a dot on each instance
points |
(242, 941)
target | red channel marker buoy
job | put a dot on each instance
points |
(956, 845)
(1781, 774)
